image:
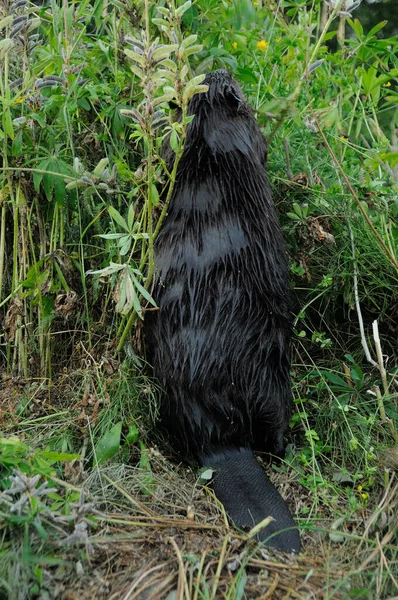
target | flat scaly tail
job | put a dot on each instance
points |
(248, 496)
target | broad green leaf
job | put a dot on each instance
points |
(336, 381)
(109, 444)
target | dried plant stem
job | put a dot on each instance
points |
(383, 415)
(182, 577)
(219, 567)
(341, 31)
(379, 353)
(286, 147)
(2, 242)
(357, 304)
(199, 574)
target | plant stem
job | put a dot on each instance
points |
(379, 353)
(354, 195)
(2, 241)
(292, 99)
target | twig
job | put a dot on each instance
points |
(383, 413)
(182, 575)
(379, 160)
(271, 589)
(287, 155)
(199, 574)
(381, 505)
(145, 573)
(357, 305)
(355, 196)
(147, 511)
(219, 567)
(384, 561)
(379, 353)
(386, 539)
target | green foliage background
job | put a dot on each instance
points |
(84, 104)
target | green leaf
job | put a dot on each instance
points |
(130, 217)
(16, 148)
(111, 236)
(59, 190)
(240, 588)
(293, 216)
(117, 217)
(390, 157)
(205, 476)
(5, 45)
(4, 22)
(357, 375)
(143, 291)
(154, 195)
(376, 28)
(40, 530)
(133, 434)
(174, 143)
(124, 244)
(99, 169)
(39, 119)
(356, 27)
(336, 381)
(7, 122)
(59, 456)
(109, 444)
(247, 75)
(182, 9)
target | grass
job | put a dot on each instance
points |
(91, 504)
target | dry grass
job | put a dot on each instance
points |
(176, 543)
(158, 534)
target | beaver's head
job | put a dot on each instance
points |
(224, 93)
(224, 124)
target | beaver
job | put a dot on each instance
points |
(219, 341)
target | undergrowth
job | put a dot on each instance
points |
(85, 95)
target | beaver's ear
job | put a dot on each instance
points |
(233, 96)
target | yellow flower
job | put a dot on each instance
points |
(364, 496)
(262, 45)
(235, 45)
(359, 488)
(256, 3)
(388, 84)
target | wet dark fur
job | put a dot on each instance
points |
(219, 343)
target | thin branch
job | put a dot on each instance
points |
(379, 353)
(354, 195)
(357, 305)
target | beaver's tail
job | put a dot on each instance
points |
(248, 496)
